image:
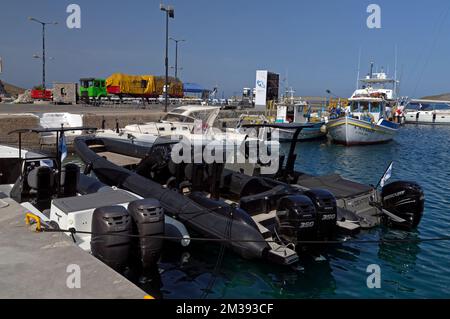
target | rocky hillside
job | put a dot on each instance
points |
(11, 90)
(440, 97)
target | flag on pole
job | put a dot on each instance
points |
(62, 146)
(387, 175)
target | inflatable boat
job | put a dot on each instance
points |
(256, 217)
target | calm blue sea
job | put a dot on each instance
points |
(415, 270)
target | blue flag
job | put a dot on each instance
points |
(62, 147)
(387, 175)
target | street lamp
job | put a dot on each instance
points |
(170, 13)
(176, 55)
(43, 45)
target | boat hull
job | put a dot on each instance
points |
(428, 117)
(349, 131)
(306, 134)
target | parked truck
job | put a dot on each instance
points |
(143, 86)
(92, 90)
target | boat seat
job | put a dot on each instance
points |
(338, 186)
(70, 176)
(41, 180)
(264, 203)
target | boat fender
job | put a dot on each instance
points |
(176, 229)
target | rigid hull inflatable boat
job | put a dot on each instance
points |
(256, 217)
(399, 204)
(100, 219)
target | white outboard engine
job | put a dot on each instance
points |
(297, 215)
(148, 220)
(326, 208)
(405, 200)
(113, 250)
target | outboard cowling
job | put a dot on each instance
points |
(326, 208)
(148, 220)
(113, 250)
(298, 217)
(405, 200)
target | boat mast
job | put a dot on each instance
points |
(359, 69)
(395, 74)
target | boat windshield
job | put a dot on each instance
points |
(442, 107)
(171, 117)
(365, 106)
(190, 118)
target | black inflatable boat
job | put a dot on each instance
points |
(151, 175)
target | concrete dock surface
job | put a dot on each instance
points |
(40, 265)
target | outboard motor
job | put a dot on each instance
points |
(326, 208)
(113, 250)
(298, 217)
(148, 220)
(70, 175)
(405, 200)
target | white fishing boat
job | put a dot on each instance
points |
(366, 119)
(298, 113)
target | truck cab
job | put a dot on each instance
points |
(92, 89)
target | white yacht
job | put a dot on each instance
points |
(192, 122)
(427, 112)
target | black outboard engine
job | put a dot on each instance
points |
(148, 220)
(405, 200)
(326, 208)
(113, 250)
(298, 217)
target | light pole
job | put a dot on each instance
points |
(170, 13)
(176, 54)
(43, 45)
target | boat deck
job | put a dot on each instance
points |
(34, 265)
(119, 159)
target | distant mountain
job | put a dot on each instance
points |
(9, 89)
(441, 97)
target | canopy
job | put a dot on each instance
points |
(193, 88)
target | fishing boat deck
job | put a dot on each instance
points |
(35, 265)
(119, 159)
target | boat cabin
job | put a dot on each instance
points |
(293, 113)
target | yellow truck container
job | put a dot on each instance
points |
(148, 86)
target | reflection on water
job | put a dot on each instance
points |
(409, 270)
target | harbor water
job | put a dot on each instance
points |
(408, 270)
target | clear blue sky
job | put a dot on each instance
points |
(315, 42)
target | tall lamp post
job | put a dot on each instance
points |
(176, 55)
(170, 13)
(43, 46)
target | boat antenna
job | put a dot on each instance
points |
(359, 69)
(395, 72)
(371, 69)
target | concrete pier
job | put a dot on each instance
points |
(35, 265)
(25, 116)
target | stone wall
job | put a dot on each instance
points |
(13, 122)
